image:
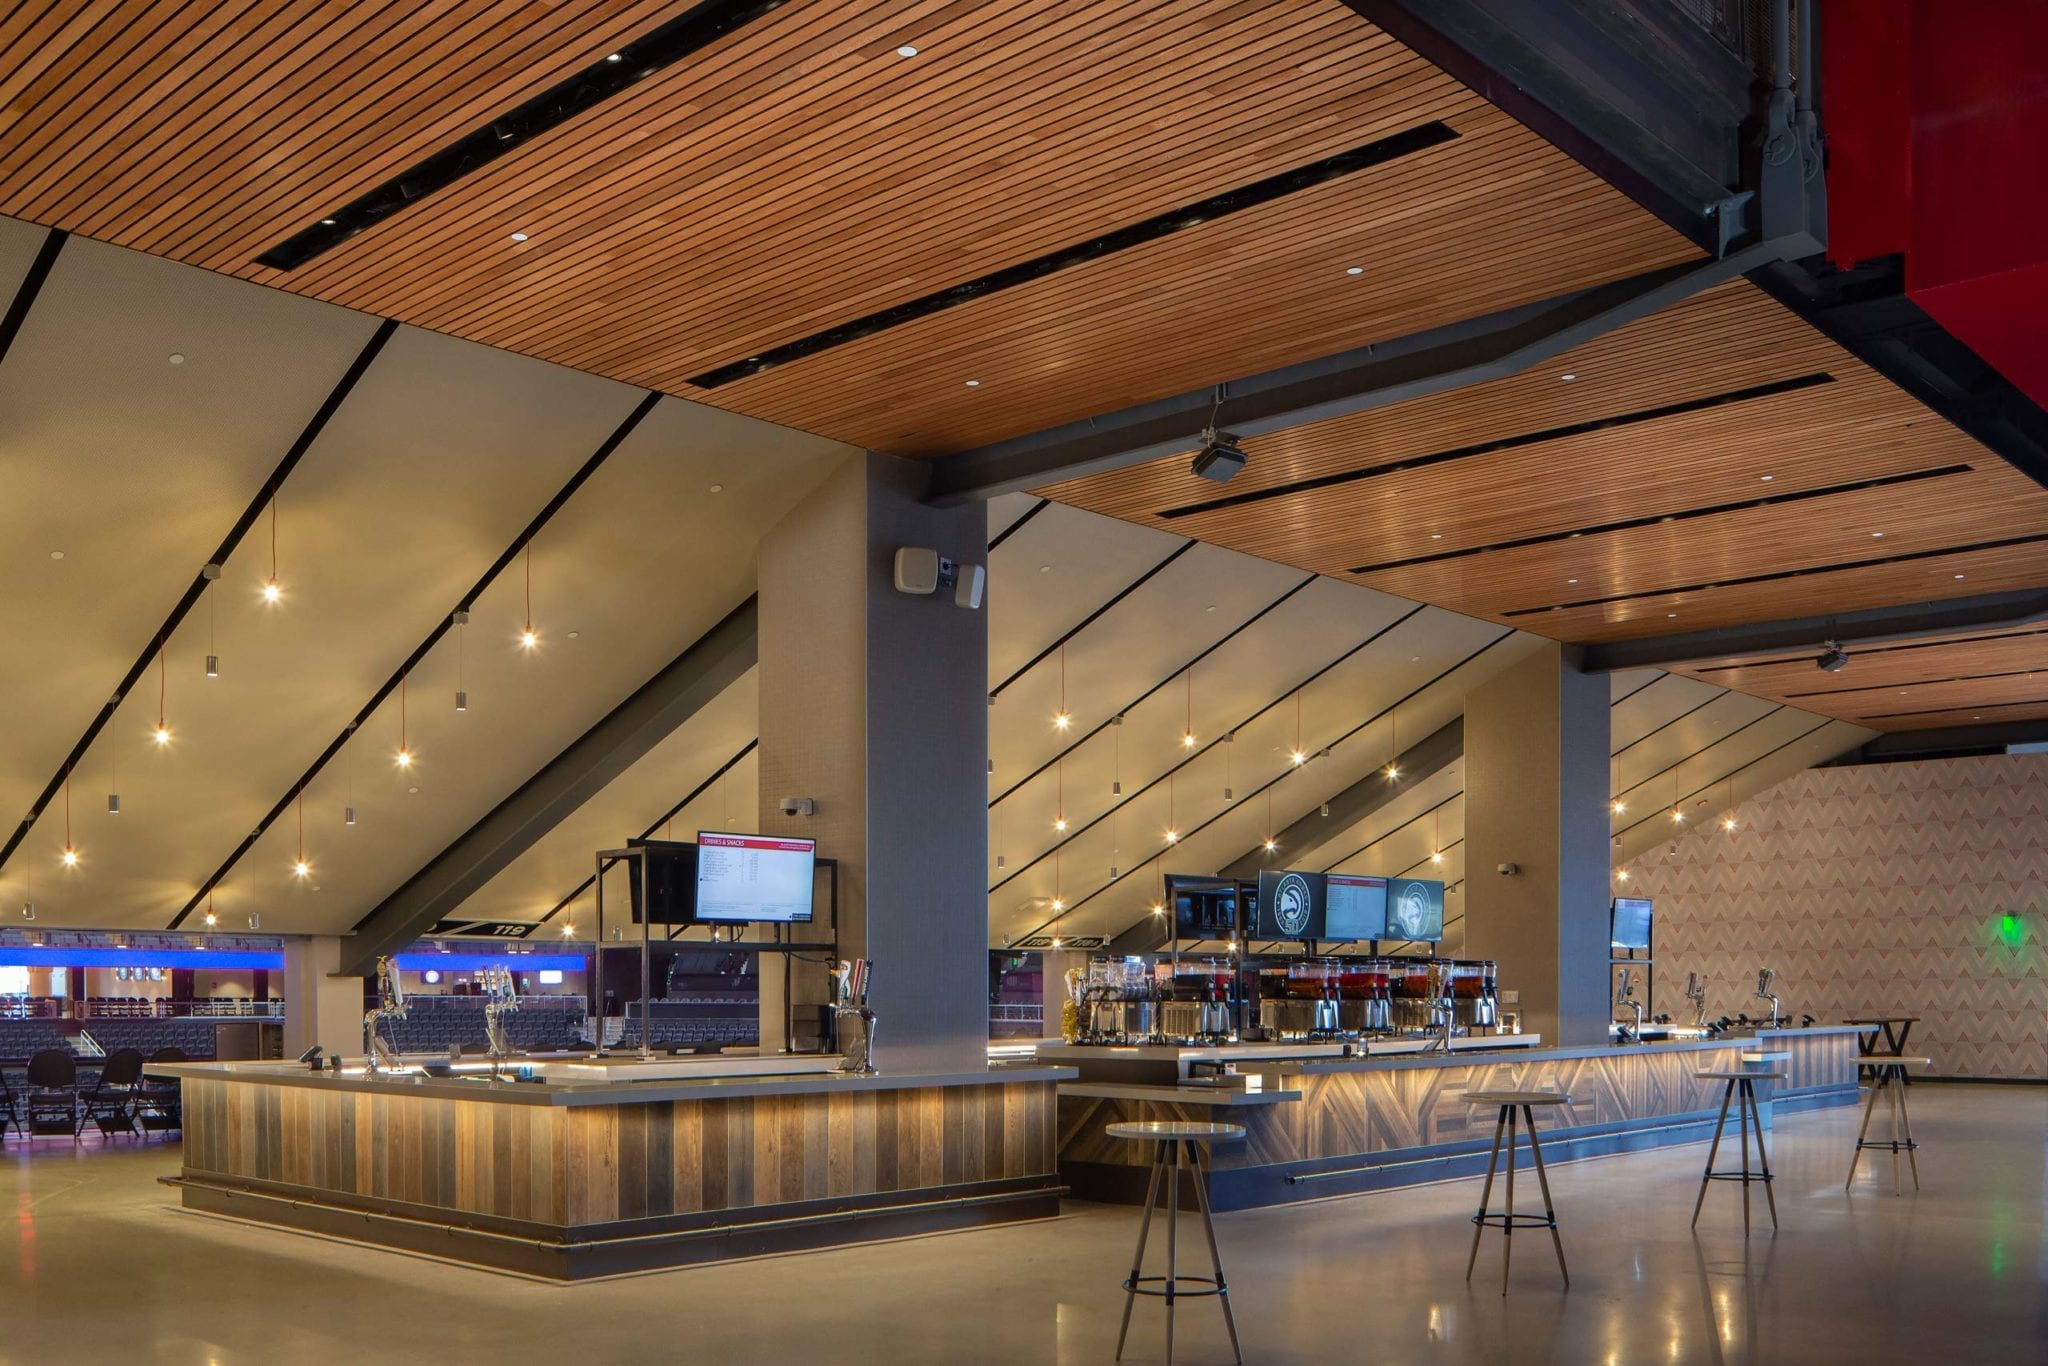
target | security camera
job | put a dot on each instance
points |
(799, 806)
(1509, 869)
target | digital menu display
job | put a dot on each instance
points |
(1631, 923)
(1415, 910)
(1203, 908)
(754, 877)
(1354, 907)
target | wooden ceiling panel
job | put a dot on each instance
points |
(1897, 679)
(796, 174)
(1988, 714)
(1717, 464)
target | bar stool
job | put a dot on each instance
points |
(1176, 1148)
(1889, 1068)
(1507, 1221)
(1740, 1088)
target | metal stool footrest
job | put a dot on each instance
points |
(1137, 1286)
(1499, 1219)
(1759, 1177)
(1890, 1145)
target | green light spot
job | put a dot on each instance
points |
(2010, 931)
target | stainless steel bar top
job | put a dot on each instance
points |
(664, 1079)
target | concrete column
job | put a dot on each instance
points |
(318, 1006)
(874, 704)
(1536, 793)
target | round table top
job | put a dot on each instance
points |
(1517, 1098)
(1891, 1060)
(1723, 1074)
(1174, 1129)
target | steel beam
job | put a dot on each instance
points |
(1797, 635)
(1991, 737)
(1469, 352)
(707, 668)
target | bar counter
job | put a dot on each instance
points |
(576, 1177)
(1330, 1125)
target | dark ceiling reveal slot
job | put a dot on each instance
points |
(1782, 575)
(1747, 505)
(1324, 481)
(681, 37)
(1405, 143)
(1975, 708)
(1864, 650)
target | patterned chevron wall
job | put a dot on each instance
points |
(1874, 890)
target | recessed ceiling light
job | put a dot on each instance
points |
(615, 57)
(575, 635)
(1877, 535)
(974, 384)
(1959, 576)
(718, 488)
(1670, 614)
(1573, 581)
(1769, 477)
(1436, 535)
(56, 554)
(413, 790)
(1354, 270)
(906, 51)
(1045, 569)
(1567, 378)
(519, 237)
(177, 357)
(1210, 608)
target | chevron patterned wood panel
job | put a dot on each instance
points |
(1875, 890)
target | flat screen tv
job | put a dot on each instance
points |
(1415, 910)
(671, 881)
(1203, 908)
(1354, 907)
(1631, 922)
(759, 878)
(1290, 905)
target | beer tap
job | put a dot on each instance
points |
(1764, 977)
(1626, 997)
(1696, 992)
(390, 1006)
(501, 998)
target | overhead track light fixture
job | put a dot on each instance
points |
(1833, 659)
(1219, 459)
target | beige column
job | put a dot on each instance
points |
(318, 1006)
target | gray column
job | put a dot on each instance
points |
(1536, 793)
(319, 1007)
(875, 705)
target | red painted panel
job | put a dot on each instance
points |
(1867, 112)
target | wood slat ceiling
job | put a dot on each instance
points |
(798, 174)
(1908, 685)
(1583, 509)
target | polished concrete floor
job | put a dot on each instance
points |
(97, 1265)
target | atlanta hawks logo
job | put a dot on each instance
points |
(1291, 905)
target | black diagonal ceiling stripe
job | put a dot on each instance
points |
(1394, 830)
(664, 818)
(1729, 775)
(1085, 622)
(447, 622)
(1283, 775)
(1702, 706)
(31, 285)
(1377, 153)
(1013, 528)
(1236, 631)
(1717, 740)
(681, 37)
(191, 596)
(1192, 756)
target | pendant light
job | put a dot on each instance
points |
(272, 589)
(1272, 842)
(1172, 833)
(1187, 737)
(1059, 903)
(1394, 742)
(1300, 755)
(348, 762)
(1116, 844)
(528, 638)
(1229, 740)
(461, 630)
(1059, 810)
(1116, 762)
(113, 780)
(404, 757)
(1728, 804)
(69, 858)
(1437, 845)
(1062, 718)
(299, 865)
(211, 573)
(162, 733)
(28, 900)
(995, 814)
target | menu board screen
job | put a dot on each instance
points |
(1631, 923)
(1354, 907)
(1290, 905)
(754, 877)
